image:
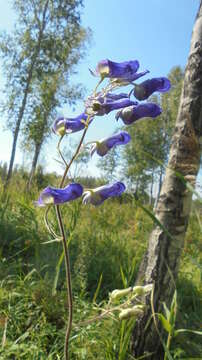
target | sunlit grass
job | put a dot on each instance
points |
(108, 241)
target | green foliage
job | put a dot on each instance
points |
(36, 317)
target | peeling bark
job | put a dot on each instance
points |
(173, 207)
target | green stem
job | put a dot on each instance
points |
(59, 151)
(167, 345)
(65, 246)
(75, 155)
(100, 81)
(50, 230)
(68, 281)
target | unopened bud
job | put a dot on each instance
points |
(117, 294)
(142, 290)
(131, 312)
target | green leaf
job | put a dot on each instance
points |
(176, 332)
(165, 323)
(154, 218)
(167, 311)
(98, 289)
(58, 266)
(173, 309)
(123, 277)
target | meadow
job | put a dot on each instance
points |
(106, 247)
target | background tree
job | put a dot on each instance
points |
(109, 165)
(150, 141)
(47, 36)
(50, 92)
(173, 207)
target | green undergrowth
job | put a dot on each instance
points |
(106, 247)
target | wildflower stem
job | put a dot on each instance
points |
(59, 151)
(74, 156)
(167, 345)
(100, 81)
(68, 281)
(65, 246)
(49, 228)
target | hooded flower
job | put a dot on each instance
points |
(64, 125)
(103, 104)
(133, 113)
(124, 71)
(145, 89)
(103, 146)
(100, 194)
(54, 196)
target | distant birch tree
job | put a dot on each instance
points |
(47, 36)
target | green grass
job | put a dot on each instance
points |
(108, 241)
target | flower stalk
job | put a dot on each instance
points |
(98, 104)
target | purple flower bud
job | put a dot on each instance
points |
(100, 105)
(54, 196)
(145, 89)
(111, 69)
(103, 146)
(100, 194)
(134, 113)
(64, 125)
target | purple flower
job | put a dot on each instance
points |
(134, 113)
(125, 71)
(64, 125)
(111, 69)
(145, 89)
(100, 194)
(103, 104)
(54, 196)
(103, 146)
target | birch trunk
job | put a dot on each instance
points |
(173, 207)
(34, 163)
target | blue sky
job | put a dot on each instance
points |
(156, 32)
